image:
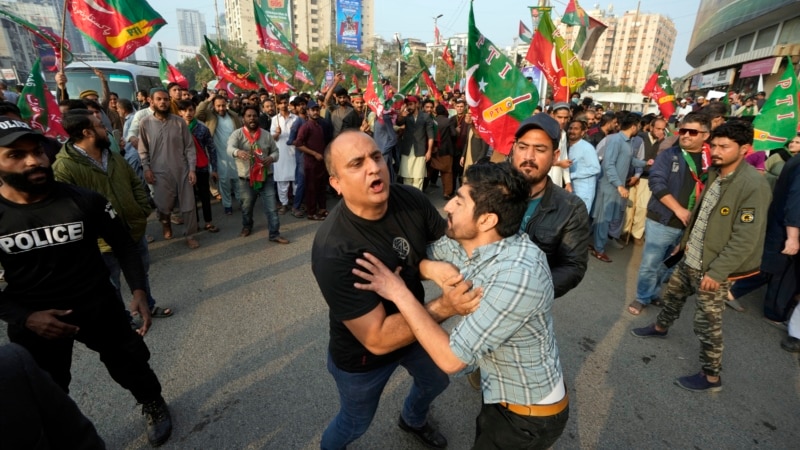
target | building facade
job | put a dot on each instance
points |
(313, 23)
(736, 43)
(631, 47)
(191, 29)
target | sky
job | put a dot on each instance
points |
(497, 19)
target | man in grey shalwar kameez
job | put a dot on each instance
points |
(612, 191)
(168, 158)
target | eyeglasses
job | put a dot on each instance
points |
(690, 132)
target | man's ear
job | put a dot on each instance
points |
(334, 184)
(487, 221)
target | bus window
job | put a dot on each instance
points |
(119, 81)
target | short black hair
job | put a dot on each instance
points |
(91, 104)
(172, 85)
(72, 103)
(143, 92)
(698, 118)
(499, 188)
(629, 120)
(75, 121)
(253, 107)
(426, 101)
(125, 104)
(183, 105)
(714, 110)
(581, 121)
(738, 131)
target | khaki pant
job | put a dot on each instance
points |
(636, 212)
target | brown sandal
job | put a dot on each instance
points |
(192, 243)
(635, 308)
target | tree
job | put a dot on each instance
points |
(196, 70)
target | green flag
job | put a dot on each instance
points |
(38, 107)
(283, 72)
(776, 123)
(498, 95)
(406, 51)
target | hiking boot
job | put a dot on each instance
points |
(649, 331)
(699, 383)
(159, 422)
(426, 433)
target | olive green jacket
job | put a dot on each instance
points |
(734, 239)
(120, 185)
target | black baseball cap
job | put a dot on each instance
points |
(12, 129)
(541, 121)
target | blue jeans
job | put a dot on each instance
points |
(661, 240)
(114, 270)
(226, 188)
(359, 394)
(299, 179)
(247, 197)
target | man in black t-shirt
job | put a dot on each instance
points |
(368, 338)
(50, 302)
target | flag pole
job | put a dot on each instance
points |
(63, 28)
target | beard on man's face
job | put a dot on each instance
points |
(23, 183)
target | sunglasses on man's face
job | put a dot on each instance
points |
(689, 131)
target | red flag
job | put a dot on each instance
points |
(447, 55)
(272, 83)
(359, 63)
(38, 107)
(222, 84)
(229, 69)
(116, 27)
(437, 38)
(426, 75)
(659, 88)
(171, 74)
(374, 95)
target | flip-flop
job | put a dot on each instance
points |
(211, 228)
(635, 308)
(167, 230)
(160, 312)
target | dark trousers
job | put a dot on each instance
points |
(497, 428)
(316, 179)
(202, 192)
(35, 412)
(105, 329)
(781, 288)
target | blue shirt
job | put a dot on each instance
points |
(510, 336)
(383, 132)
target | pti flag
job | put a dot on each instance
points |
(659, 88)
(304, 75)
(272, 83)
(447, 55)
(170, 74)
(374, 96)
(116, 27)
(550, 54)
(426, 76)
(525, 34)
(359, 63)
(46, 35)
(38, 107)
(228, 68)
(271, 38)
(283, 72)
(777, 122)
(498, 95)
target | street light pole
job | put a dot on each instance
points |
(397, 39)
(435, 43)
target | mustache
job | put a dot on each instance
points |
(529, 163)
(33, 171)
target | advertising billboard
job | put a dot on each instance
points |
(348, 24)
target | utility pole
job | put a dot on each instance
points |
(216, 20)
(435, 43)
(397, 39)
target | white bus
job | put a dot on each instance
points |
(125, 79)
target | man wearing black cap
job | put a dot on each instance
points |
(51, 301)
(555, 220)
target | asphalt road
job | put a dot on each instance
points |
(242, 361)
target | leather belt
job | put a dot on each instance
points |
(538, 410)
